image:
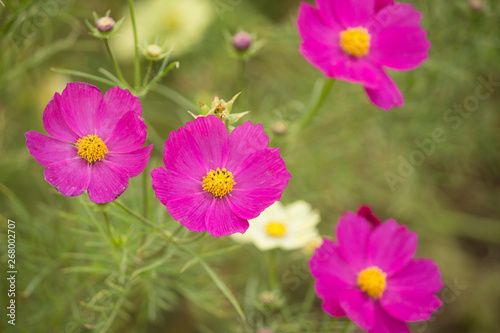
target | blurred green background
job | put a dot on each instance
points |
(450, 195)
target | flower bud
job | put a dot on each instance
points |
(105, 24)
(154, 51)
(477, 5)
(242, 41)
(279, 127)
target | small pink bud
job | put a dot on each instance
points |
(242, 41)
(105, 24)
(477, 5)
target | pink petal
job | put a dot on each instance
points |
(262, 169)
(170, 184)
(357, 70)
(78, 104)
(47, 150)
(353, 234)
(114, 105)
(221, 221)
(328, 289)
(311, 26)
(134, 162)
(359, 307)
(419, 274)
(327, 262)
(387, 94)
(107, 181)
(410, 292)
(391, 247)
(243, 141)
(400, 48)
(70, 177)
(379, 4)
(385, 323)
(54, 122)
(410, 305)
(185, 200)
(211, 136)
(249, 203)
(182, 154)
(351, 13)
(128, 135)
(322, 56)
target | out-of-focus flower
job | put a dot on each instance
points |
(216, 182)
(180, 23)
(370, 275)
(289, 227)
(354, 41)
(95, 142)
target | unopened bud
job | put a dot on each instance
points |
(242, 41)
(105, 24)
(477, 5)
(154, 51)
(266, 330)
(268, 297)
(279, 127)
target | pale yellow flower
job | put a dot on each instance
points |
(180, 23)
(288, 227)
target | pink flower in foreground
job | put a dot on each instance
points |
(95, 142)
(370, 276)
(354, 40)
(215, 181)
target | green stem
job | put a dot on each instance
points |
(115, 64)
(272, 271)
(317, 99)
(144, 220)
(346, 326)
(137, 63)
(110, 230)
(146, 78)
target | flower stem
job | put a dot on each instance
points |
(110, 230)
(320, 91)
(137, 63)
(273, 276)
(148, 73)
(346, 326)
(115, 64)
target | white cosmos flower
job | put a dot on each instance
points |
(290, 227)
(180, 23)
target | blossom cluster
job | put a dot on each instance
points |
(226, 180)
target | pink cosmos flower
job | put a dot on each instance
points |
(370, 275)
(355, 40)
(215, 181)
(95, 142)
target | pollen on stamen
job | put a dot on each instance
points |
(218, 182)
(372, 281)
(91, 148)
(355, 41)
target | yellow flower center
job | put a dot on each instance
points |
(276, 229)
(218, 182)
(355, 41)
(91, 148)
(372, 281)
